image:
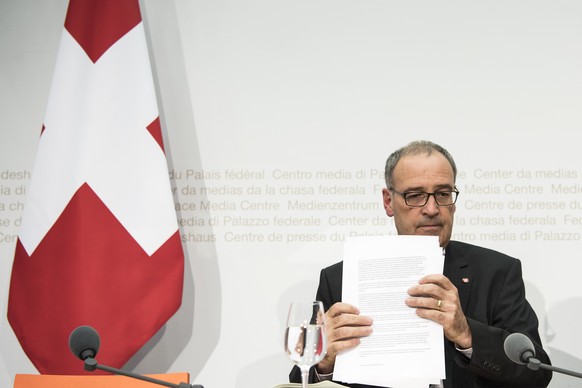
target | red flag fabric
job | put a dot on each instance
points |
(99, 242)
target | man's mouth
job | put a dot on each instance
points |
(430, 228)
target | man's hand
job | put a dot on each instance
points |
(437, 299)
(343, 327)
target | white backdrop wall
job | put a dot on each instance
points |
(279, 116)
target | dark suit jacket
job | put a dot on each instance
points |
(493, 300)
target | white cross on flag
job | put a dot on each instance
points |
(99, 242)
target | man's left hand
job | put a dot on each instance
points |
(437, 299)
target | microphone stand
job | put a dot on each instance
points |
(91, 364)
(535, 364)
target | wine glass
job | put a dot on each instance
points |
(305, 340)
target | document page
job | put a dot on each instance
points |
(404, 350)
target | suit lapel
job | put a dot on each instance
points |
(459, 271)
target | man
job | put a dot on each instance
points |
(479, 300)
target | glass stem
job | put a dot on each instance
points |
(304, 377)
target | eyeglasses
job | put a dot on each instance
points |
(420, 198)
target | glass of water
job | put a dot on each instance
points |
(305, 341)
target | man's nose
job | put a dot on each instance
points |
(431, 208)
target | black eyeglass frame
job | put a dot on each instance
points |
(428, 195)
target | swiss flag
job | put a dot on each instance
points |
(99, 242)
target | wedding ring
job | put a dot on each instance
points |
(439, 304)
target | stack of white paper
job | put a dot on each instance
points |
(404, 350)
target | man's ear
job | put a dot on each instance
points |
(387, 197)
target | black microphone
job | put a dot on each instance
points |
(521, 350)
(84, 343)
